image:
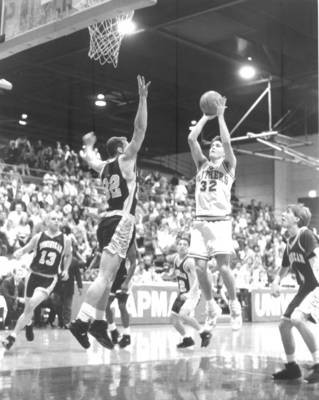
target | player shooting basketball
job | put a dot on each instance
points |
(211, 234)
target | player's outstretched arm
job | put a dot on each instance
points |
(88, 154)
(196, 151)
(140, 122)
(30, 246)
(224, 134)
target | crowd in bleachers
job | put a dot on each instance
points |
(165, 209)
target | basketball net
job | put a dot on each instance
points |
(106, 39)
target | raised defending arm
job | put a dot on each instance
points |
(140, 122)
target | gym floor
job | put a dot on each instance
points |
(236, 365)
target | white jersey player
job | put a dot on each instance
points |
(211, 232)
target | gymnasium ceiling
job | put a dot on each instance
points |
(186, 48)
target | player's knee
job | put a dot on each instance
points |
(224, 268)
(105, 279)
(184, 313)
(298, 318)
(201, 269)
(284, 324)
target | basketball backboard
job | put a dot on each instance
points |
(27, 23)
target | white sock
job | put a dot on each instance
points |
(13, 334)
(315, 357)
(127, 331)
(112, 326)
(87, 313)
(291, 358)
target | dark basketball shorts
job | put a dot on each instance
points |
(187, 306)
(40, 282)
(116, 234)
(295, 302)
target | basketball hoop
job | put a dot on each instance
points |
(106, 38)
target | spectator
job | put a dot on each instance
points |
(12, 289)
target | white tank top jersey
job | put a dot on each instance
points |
(213, 190)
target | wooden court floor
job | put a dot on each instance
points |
(234, 366)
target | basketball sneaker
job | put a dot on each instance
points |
(29, 333)
(98, 329)
(236, 318)
(115, 334)
(314, 376)
(79, 330)
(291, 371)
(205, 336)
(125, 341)
(8, 342)
(212, 313)
(186, 343)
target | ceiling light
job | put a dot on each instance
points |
(24, 116)
(100, 96)
(247, 72)
(5, 85)
(100, 103)
(249, 58)
(126, 27)
(312, 193)
(21, 122)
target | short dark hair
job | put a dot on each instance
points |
(302, 212)
(183, 236)
(113, 144)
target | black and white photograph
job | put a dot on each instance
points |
(159, 200)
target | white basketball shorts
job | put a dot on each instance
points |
(209, 238)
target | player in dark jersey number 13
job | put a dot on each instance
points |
(302, 256)
(51, 249)
(116, 229)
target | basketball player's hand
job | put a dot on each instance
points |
(275, 289)
(89, 139)
(18, 254)
(64, 275)
(221, 106)
(142, 86)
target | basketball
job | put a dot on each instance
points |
(208, 102)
